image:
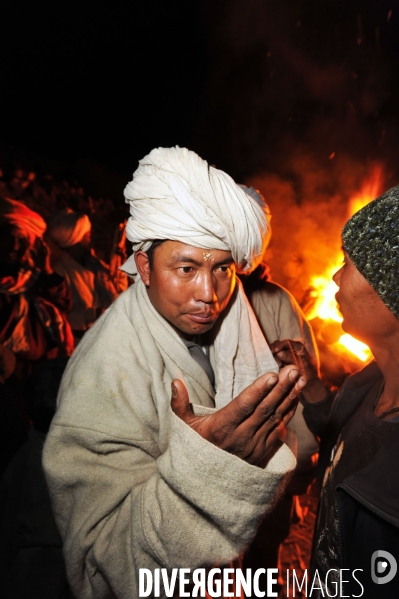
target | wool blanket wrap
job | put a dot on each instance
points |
(132, 485)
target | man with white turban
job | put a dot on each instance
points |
(88, 277)
(142, 481)
(33, 298)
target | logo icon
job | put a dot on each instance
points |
(383, 567)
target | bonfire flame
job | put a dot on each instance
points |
(371, 189)
(323, 288)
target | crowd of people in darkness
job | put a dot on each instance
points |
(53, 286)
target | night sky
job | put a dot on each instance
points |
(102, 81)
(249, 85)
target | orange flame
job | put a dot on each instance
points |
(355, 346)
(371, 189)
(323, 287)
(323, 292)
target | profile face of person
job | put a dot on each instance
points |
(365, 316)
(79, 250)
(188, 286)
(14, 246)
(86, 240)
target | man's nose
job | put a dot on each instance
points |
(337, 276)
(205, 290)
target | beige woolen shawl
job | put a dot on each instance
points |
(176, 195)
(132, 485)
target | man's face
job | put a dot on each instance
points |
(14, 246)
(365, 315)
(188, 286)
(80, 250)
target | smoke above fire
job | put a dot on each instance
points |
(308, 213)
(307, 219)
(302, 105)
(293, 83)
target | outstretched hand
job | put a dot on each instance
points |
(250, 425)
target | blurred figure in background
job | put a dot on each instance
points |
(14, 422)
(33, 298)
(31, 559)
(119, 257)
(280, 317)
(69, 234)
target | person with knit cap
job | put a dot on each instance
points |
(165, 450)
(357, 531)
(69, 235)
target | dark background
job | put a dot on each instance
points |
(299, 98)
(246, 84)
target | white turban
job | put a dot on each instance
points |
(19, 215)
(256, 195)
(175, 195)
(67, 227)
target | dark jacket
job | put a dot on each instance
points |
(31, 560)
(367, 501)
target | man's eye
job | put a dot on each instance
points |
(224, 269)
(186, 269)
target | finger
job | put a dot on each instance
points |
(291, 396)
(265, 449)
(278, 400)
(243, 411)
(288, 352)
(245, 404)
(300, 384)
(301, 363)
(268, 434)
(289, 414)
(288, 377)
(180, 402)
(293, 354)
(279, 345)
(290, 357)
(273, 426)
(287, 345)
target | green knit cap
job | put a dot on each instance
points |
(371, 239)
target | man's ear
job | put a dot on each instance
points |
(143, 266)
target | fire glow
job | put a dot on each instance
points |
(323, 288)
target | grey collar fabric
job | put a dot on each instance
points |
(200, 356)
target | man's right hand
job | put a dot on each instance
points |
(250, 425)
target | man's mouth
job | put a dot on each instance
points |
(337, 300)
(202, 317)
